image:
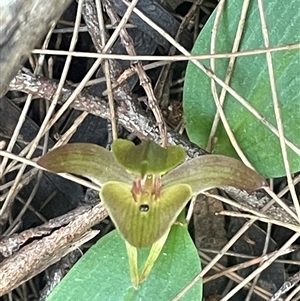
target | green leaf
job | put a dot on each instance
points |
(88, 160)
(148, 157)
(103, 273)
(209, 171)
(144, 220)
(251, 80)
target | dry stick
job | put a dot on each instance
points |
(264, 254)
(125, 75)
(26, 106)
(73, 95)
(174, 58)
(31, 208)
(232, 275)
(26, 178)
(240, 255)
(94, 66)
(84, 28)
(262, 267)
(40, 254)
(121, 94)
(247, 279)
(13, 243)
(16, 132)
(197, 23)
(190, 210)
(265, 218)
(70, 132)
(144, 79)
(281, 203)
(7, 185)
(287, 286)
(245, 227)
(295, 292)
(162, 81)
(45, 125)
(138, 123)
(17, 220)
(277, 110)
(229, 71)
(107, 72)
(217, 79)
(214, 90)
(262, 258)
(219, 11)
(286, 188)
(260, 218)
(12, 192)
(128, 73)
(12, 227)
(63, 139)
(94, 20)
(275, 216)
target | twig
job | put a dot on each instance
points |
(9, 200)
(26, 106)
(277, 110)
(95, 24)
(233, 276)
(210, 74)
(288, 285)
(174, 58)
(41, 253)
(220, 100)
(136, 121)
(292, 227)
(244, 265)
(280, 252)
(165, 72)
(47, 123)
(144, 79)
(23, 24)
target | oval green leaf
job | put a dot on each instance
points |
(88, 160)
(210, 171)
(148, 157)
(250, 79)
(145, 220)
(103, 272)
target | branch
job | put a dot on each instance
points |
(70, 231)
(22, 25)
(134, 119)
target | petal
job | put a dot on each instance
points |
(209, 171)
(88, 160)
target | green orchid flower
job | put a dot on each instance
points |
(144, 188)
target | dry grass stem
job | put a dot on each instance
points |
(175, 58)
